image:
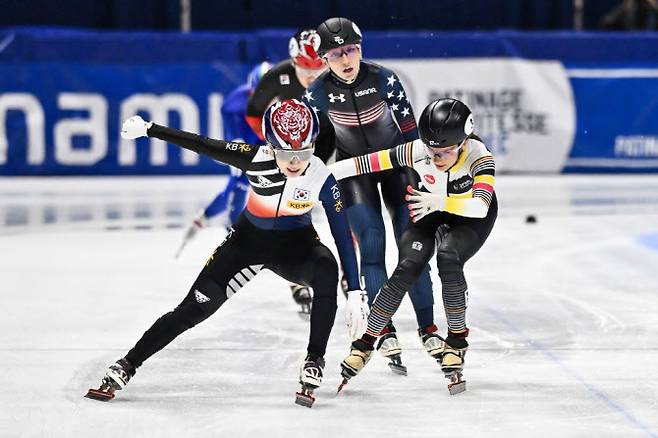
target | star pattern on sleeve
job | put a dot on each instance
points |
(391, 80)
(401, 95)
(308, 96)
(390, 94)
(405, 112)
(394, 107)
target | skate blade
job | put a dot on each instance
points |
(342, 385)
(97, 394)
(457, 387)
(304, 399)
(398, 368)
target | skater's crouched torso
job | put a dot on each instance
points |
(277, 202)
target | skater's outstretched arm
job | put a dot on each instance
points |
(398, 156)
(357, 309)
(233, 153)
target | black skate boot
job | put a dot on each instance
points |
(431, 341)
(302, 296)
(116, 378)
(452, 360)
(310, 377)
(360, 353)
(390, 348)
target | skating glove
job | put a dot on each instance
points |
(422, 203)
(135, 127)
(356, 313)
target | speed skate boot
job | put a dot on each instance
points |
(360, 353)
(452, 360)
(390, 348)
(302, 296)
(116, 378)
(431, 341)
(310, 377)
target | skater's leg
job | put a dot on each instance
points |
(415, 249)
(365, 218)
(394, 191)
(317, 268)
(231, 266)
(314, 265)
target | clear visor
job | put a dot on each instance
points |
(349, 50)
(290, 154)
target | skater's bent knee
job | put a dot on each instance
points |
(408, 270)
(448, 258)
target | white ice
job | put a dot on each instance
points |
(563, 316)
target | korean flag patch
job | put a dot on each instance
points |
(301, 195)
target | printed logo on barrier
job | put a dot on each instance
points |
(429, 178)
(301, 195)
(528, 125)
(298, 205)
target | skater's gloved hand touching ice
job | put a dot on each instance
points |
(422, 203)
(356, 312)
(135, 127)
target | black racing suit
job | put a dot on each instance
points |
(371, 114)
(280, 83)
(274, 232)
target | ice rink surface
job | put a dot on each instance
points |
(563, 316)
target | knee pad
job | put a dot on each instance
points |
(407, 272)
(449, 264)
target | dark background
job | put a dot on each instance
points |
(239, 15)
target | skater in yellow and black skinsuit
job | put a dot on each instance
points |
(453, 214)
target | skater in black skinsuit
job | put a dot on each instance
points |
(369, 110)
(274, 232)
(288, 80)
(453, 216)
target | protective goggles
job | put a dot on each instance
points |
(442, 152)
(337, 53)
(290, 154)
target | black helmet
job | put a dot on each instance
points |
(337, 32)
(445, 122)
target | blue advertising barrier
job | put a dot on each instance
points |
(63, 93)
